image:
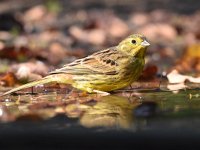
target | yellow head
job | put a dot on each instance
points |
(134, 45)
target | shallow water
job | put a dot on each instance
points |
(132, 111)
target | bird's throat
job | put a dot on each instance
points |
(140, 53)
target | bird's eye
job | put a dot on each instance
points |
(133, 41)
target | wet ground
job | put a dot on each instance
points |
(159, 117)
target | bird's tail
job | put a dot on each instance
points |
(59, 78)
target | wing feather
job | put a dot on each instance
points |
(103, 62)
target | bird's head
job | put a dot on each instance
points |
(134, 45)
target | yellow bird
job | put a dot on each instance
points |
(103, 71)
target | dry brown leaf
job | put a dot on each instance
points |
(155, 31)
(4, 35)
(56, 53)
(150, 84)
(35, 13)
(16, 53)
(95, 36)
(190, 61)
(149, 72)
(117, 28)
(8, 79)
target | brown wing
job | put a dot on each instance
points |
(103, 62)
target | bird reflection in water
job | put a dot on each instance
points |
(110, 111)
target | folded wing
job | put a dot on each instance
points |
(103, 62)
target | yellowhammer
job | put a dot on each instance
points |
(103, 71)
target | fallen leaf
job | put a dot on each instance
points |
(162, 30)
(117, 27)
(35, 13)
(95, 36)
(141, 84)
(56, 53)
(175, 77)
(190, 60)
(149, 72)
(5, 36)
(29, 71)
(176, 87)
(8, 79)
(16, 53)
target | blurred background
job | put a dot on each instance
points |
(41, 35)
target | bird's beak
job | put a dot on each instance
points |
(145, 43)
